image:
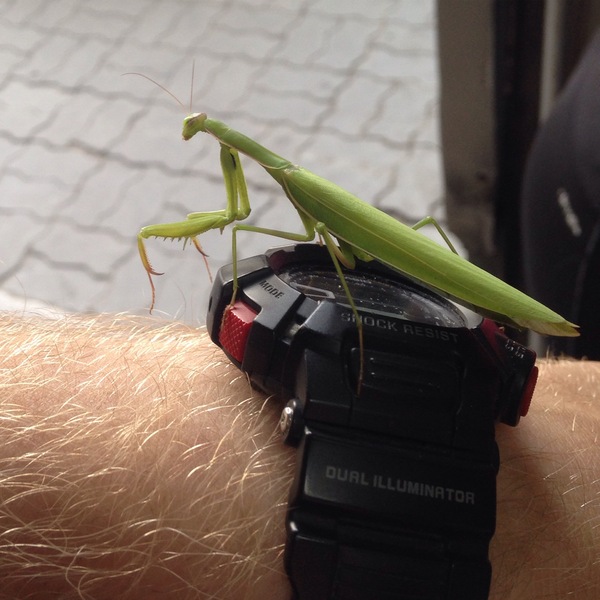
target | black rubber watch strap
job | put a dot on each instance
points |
(373, 521)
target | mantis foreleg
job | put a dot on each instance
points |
(237, 209)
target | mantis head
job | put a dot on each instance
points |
(192, 125)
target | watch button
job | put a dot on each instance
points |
(235, 329)
(291, 423)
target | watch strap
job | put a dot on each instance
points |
(371, 520)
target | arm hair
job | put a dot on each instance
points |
(547, 542)
(135, 462)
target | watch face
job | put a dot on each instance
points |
(373, 292)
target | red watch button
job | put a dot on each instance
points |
(235, 328)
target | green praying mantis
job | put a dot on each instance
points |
(350, 228)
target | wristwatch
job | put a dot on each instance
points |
(394, 494)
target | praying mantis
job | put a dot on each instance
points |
(351, 229)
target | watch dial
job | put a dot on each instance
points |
(374, 292)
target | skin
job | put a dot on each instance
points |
(137, 463)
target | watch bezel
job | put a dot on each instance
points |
(441, 311)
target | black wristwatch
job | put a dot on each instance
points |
(394, 495)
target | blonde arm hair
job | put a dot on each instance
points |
(137, 463)
(547, 542)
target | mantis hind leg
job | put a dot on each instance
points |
(432, 221)
(342, 254)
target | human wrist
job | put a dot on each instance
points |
(135, 459)
(549, 491)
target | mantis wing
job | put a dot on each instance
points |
(372, 232)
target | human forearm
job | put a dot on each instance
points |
(134, 463)
(547, 544)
